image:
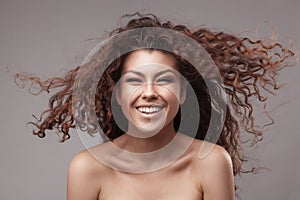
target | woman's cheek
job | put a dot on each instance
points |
(171, 91)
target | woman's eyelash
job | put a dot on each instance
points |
(136, 80)
(129, 80)
(168, 80)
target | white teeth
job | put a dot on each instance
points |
(149, 110)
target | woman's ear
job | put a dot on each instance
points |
(183, 91)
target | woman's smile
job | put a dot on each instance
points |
(149, 109)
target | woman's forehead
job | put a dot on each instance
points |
(154, 58)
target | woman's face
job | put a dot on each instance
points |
(150, 92)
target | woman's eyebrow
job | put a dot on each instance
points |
(165, 71)
(135, 72)
(156, 74)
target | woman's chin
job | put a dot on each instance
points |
(146, 129)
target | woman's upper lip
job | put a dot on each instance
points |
(150, 105)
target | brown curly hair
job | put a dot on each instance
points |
(248, 68)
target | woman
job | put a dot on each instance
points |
(147, 73)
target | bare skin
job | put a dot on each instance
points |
(188, 177)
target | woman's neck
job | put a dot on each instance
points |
(143, 145)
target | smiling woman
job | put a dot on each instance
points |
(138, 90)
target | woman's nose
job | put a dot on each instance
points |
(149, 91)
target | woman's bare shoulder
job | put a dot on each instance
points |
(212, 165)
(209, 158)
(86, 162)
(86, 176)
(206, 154)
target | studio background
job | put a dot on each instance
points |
(47, 38)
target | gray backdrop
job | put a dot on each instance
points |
(47, 38)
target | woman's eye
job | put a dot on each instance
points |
(133, 80)
(165, 80)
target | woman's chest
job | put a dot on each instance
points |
(154, 186)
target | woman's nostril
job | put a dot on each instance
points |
(149, 94)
